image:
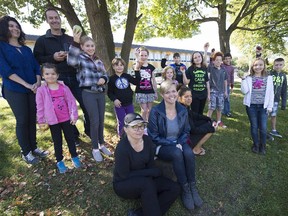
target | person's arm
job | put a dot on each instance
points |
(72, 106)
(40, 106)
(245, 86)
(154, 83)
(284, 93)
(182, 139)
(232, 80)
(206, 47)
(271, 93)
(186, 76)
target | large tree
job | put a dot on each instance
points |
(182, 18)
(96, 14)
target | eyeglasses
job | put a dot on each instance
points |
(139, 127)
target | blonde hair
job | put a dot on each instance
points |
(164, 72)
(166, 85)
(143, 48)
(264, 72)
(84, 39)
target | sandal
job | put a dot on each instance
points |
(201, 153)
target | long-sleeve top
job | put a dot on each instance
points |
(89, 70)
(129, 163)
(246, 88)
(119, 88)
(45, 47)
(19, 61)
(157, 126)
(230, 74)
(280, 88)
(177, 67)
(45, 109)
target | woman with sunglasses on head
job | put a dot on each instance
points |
(135, 175)
(169, 129)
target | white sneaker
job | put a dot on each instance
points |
(40, 153)
(30, 159)
(97, 155)
(104, 150)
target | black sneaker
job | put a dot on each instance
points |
(229, 115)
(275, 133)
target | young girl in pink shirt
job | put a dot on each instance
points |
(56, 108)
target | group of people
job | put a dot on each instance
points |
(173, 131)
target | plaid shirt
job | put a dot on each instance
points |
(89, 70)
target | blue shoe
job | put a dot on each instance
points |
(76, 162)
(30, 159)
(61, 167)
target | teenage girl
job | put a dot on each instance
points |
(196, 77)
(146, 91)
(120, 92)
(56, 107)
(258, 99)
(92, 79)
(169, 74)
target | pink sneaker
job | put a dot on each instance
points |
(221, 124)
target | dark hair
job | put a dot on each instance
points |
(213, 50)
(217, 54)
(279, 60)
(4, 30)
(227, 55)
(176, 55)
(50, 9)
(192, 60)
(49, 66)
(182, 89)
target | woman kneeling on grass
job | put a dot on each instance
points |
(169, 128)
(202, 127)
(135, 175)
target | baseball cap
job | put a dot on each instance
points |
(132, 119)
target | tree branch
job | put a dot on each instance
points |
(262, 27)
(206, 19)
(210, 5)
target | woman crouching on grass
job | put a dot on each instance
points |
(135, 175)
(169, 128)
(201, 127)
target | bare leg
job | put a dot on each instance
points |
(273, 122)
(219, 115)
(144, 111)
(209, 113)
(197, 148)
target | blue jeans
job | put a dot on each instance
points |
(73, 85)
(226, 109)
(258, 124)
(183, 161)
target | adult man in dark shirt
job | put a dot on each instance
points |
(52, 47)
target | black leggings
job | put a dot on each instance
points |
(56, 132)
(198, 105)
(156, 194)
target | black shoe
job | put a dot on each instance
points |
(136, 212)
(255, 149)
(229, 115)
(187, 198)
(77, 141)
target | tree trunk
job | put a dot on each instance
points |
(94, 13)
(131, 23)
(224, 35)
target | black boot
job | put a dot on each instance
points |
(262, 149)
(255, 148)
(186, 196)
(196, 197)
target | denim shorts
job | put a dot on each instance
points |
(274, 109)
(216, 101)
(144, 98)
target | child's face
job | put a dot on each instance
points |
(227, 60)
(258, 67)
(197, 58)
(278, 66)
(143, 55)
(218, 61)
(119, 68)
(169, 74)
(186, 99)
(177, 60)
(88, 47)
(49, 75)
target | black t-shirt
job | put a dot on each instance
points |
(145, 85)
(198, 78)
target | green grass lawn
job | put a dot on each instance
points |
(230, 178)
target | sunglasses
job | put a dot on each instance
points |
(139, 127)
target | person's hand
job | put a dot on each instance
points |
(225, 94)
(231, 90)
(77, 36)
(60, 56)
(101, 81)
(73, 121)
(214, 124)
(182, 69)
(156, 95)
(137, 53)
(179, 146)
(35, 86)
(206, 46)
(117, 103)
